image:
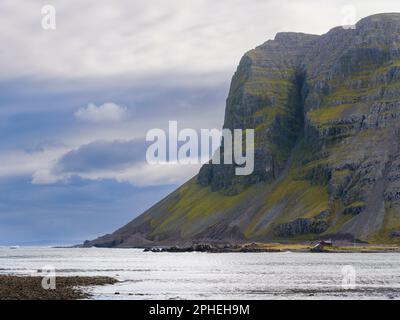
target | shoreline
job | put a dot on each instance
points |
(14, 287)
(254, 247)
(321, 247)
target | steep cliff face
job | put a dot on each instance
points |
(353, 108)
(325, 110)
(265, 95)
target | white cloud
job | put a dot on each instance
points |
(143, 174)
(123, 161)
(40, 165)
(107, 112)
(44, 176)
(37, 164)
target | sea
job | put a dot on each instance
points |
(195, 275)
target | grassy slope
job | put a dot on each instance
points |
(199, 208)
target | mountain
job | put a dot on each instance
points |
(326, 114)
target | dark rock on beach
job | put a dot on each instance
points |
(214, 248)
(30, 288)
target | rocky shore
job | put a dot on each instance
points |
(30, 288)
(214, 248)
(318, 247)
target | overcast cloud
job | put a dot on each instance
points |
(97, 38)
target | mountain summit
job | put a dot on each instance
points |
(326, 114)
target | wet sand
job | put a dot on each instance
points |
(30, 288)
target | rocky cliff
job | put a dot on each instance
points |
(325, 110)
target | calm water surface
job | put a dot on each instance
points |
(147, 275)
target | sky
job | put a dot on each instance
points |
(76, 102)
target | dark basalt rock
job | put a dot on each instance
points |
(395, 234)
(251, 101)
(300, 226)
(213, 248)
(353, 210)
(319, 175)
(323, 214)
